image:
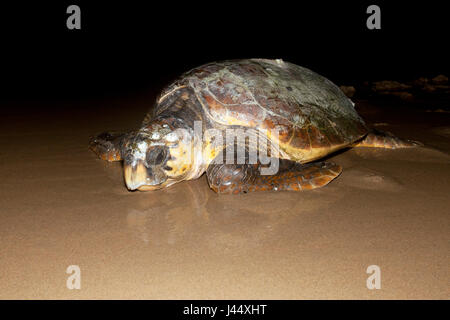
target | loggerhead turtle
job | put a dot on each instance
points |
(311, 115)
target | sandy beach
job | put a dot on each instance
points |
(61, 206)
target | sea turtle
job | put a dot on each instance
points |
(310, 115)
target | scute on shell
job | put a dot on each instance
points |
(313, 116)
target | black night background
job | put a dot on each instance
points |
(128, 46)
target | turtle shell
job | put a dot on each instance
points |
(312, 115)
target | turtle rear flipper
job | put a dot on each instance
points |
(108, 145)
(243, 178)
(381, 139)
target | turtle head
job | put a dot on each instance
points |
(156, 157)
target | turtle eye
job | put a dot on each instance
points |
(157, 155)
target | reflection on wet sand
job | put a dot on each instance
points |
(165, 218)
(191, 214)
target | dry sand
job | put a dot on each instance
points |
(61, 206)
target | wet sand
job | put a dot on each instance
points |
(61, 206)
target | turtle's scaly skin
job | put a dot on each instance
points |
(108, 146)
(312, 116)
(245, 178)
(381, 139)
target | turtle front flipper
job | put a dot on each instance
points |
(108, 145)
(292, 176)
(381, 139)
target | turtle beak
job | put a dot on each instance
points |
(135, 175)
(139, 177)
